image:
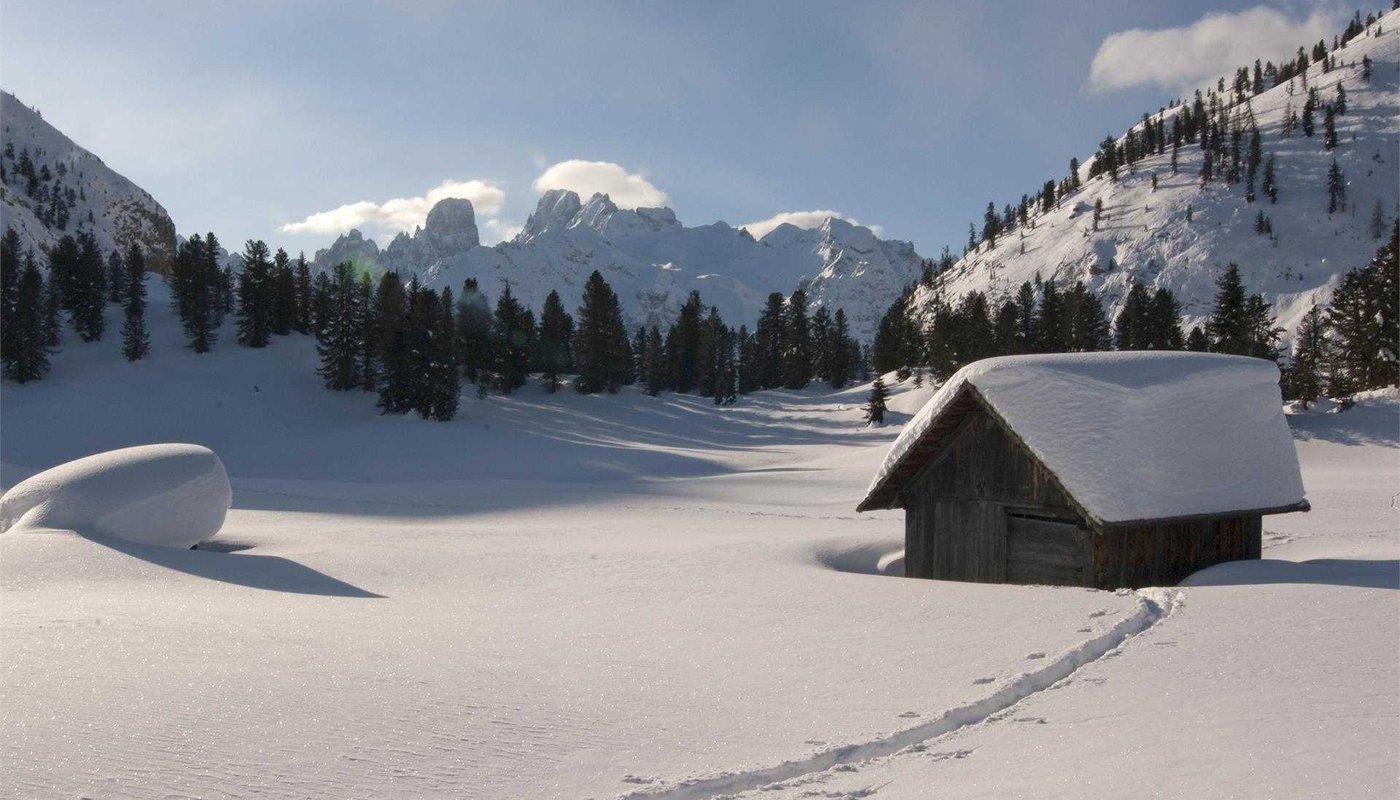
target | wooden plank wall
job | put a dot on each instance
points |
(1162, 554)
(955, 507)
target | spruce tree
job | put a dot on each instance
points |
(1088, 325)
(601, 350)
(474, 331)
(768, 336)
(255, 296)
(136, 343)
(654, 363)
(302, 294)
(86, 294)
(875, 403)
(27, 336)
(683, 345)
(1270, 183)
(1164, 322)
(1227, 329)
(339, 341)
(1197, 342)
(1329, 130)
(282, 291)
(838, 351)
(556, 339)
(443, 387)
(1054, 323)
(1336, 189)
(11, 266)
(1307, 378)
(1131, 328)
(395, 381)
(797, 342)
(116, 277)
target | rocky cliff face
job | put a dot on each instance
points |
(53, 187)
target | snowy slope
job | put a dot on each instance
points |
(651, 260)
(1146, 234)
(122, 212)
(581, 596)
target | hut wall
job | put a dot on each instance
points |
(1163, 553)
(957, 506)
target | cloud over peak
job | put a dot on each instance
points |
(401, 213)
(626, 189)
(806, 220)
(1182, 58)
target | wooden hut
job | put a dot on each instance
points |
(1105, 470)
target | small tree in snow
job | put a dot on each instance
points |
(875, 404)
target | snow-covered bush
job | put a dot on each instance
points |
(165, 494)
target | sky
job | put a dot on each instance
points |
(293, 121)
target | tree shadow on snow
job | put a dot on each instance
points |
(1362, 573)
(273, 573)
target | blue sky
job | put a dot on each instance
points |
(251, 118)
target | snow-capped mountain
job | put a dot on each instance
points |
(1145, 235)
(650, 259)
(72, 191)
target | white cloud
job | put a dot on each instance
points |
(626, 189)
(1212, 46)
(494, 231)
(802, 219)
(401, 213)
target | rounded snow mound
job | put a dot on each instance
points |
(174, 495)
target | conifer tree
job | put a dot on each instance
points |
(1197, 342)
(601, 349)
(1307, 378)
(392, 301)
(513, 339)
(1132, 327)
(683, 346)
(1228, 330)
(768, 364)
(27, 335)
(136, 343)
(654, 363)
(1164, 322)
(1054, 323)
(302, 295)
(116, 277)
(254, 296)
(11, 265)
(1270, 183)
(474, 331)
(837, 366)
(1329, 130)
(1336, 189)
(556, 339)
(875, 403)
(1089, 324)
(369, 338)
(282, 291)
(340, 340)
(442, 382)
(86, 293)
(797, 342)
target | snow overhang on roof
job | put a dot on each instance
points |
(1131, 436)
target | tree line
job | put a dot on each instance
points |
(79, 285)
(412, 345)
(1349, 346)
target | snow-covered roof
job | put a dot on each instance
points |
(1130, 436)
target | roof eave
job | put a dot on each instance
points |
(1301, 505)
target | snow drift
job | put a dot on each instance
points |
(174, 495)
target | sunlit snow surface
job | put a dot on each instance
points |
(567, 596)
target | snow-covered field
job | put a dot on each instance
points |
(566, 596)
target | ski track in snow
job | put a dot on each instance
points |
(1153, 606)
